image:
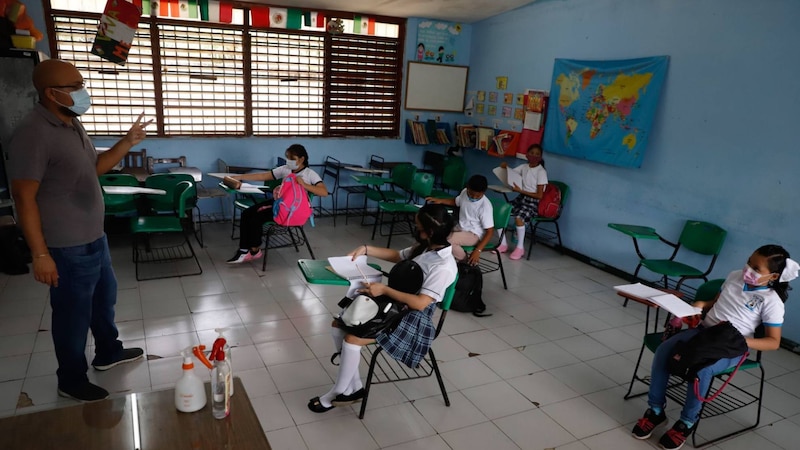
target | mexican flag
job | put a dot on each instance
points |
(363, 25)
(216, 11)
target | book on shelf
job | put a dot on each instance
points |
(441, 136)
(357, 272)
(484, 138)
(670, 302)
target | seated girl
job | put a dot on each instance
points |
(410, 340)
(255, 216)
(748, 298)
(526, 204)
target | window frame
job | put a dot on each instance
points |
(378, 128)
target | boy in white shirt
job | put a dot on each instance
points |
(475, 219)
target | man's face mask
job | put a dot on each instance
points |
(81, 101)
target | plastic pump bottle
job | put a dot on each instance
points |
(221, 382)
(190, 394)
(227, 349)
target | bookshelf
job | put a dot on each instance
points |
(428, 133)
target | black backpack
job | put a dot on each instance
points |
(705, 348)
(16, 255)
(467, 297)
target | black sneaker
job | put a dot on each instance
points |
(645, 426)
(127, 355)
(674, 438)
(86, 392)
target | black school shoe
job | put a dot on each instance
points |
(343, 400)
(86, 392)
(127, 355)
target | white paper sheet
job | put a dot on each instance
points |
(356, 272)
(500, 173)
(533, 121)
(670, 302)
(639, 290)
(514, 178)
(247, 188)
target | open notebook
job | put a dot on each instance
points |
(671, 303)
(357, 272)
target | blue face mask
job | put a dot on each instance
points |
(473, 200)
(81, 101)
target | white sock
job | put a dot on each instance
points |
(355, 384)
(351, 356)
(338, 337)
(503, 241)
(521, 237)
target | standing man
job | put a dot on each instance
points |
(54, 172)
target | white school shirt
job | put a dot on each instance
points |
(308, 175)
(745, 310)
(438, 268)
(532, 177)
(475, 217)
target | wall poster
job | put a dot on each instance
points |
(436, 41)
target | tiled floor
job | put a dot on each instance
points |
(547, 370)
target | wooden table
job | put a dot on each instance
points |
(112, 424)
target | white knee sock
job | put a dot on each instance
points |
(338, 337)
(351, 356)
(521, 237)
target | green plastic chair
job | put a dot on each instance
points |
(454, 177)
(161, 204)
(420, 188)
(501, 212)
(284, 236)
(383, 369)
(703, 238)
(536, 221)
(119, 204)
(401, 177)
(726, 402)
(143, 227)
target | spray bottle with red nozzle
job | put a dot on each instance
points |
(221, 381)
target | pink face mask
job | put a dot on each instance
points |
(534, 159)
(750, 276)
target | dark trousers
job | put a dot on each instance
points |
(84, 300)
(253, 220)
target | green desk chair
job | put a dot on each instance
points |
(454, 176)
(162, 204)
(315, 271)
(536, 221)
(699, 237)
(244, 201)
(151, 243)
(731, 399)
(502, 215)
(384, 369)
(402, 176)
(280, 236)
(119, 204)
(375, 162)
(420, 188)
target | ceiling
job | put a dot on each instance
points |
(463, 11)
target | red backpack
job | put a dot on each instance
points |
(550, 203)
(291, 207)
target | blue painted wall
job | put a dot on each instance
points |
(724, 146)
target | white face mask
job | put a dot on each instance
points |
(291, 164)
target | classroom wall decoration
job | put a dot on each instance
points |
(116, 31)
(603, 110)
(437, 41)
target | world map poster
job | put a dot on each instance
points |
(603, 110)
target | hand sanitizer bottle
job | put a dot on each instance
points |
(221, 382)
(227, 349)
(190, 394)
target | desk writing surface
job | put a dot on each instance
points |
(222, 175)
(130, 190)
(366, 170)
(196, 173)
(316, 271)
(371, 180)
(109, 424)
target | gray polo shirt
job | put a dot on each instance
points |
(63, 160)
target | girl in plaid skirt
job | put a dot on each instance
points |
(410, 340)
(526, 205)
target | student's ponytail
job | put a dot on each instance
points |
(776, 261)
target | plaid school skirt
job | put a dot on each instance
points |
(412, 338)
(524, 207)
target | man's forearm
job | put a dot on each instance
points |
(31, 224)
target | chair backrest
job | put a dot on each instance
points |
(444, 305)
(376, 162)
(331, 168)
(702, 237)
(422, 184)
(501, 213)
(222, 166)
(403, 176)
(118, 179)
(168, 182)
(454, 174)
(151, 162)
(564, 188)
(708, 290)
(135, 159)
(435, 161)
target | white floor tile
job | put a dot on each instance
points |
(479, 437)
(534, 430)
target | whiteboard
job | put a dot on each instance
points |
(435, 87)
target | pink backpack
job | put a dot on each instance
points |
(291, 207)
